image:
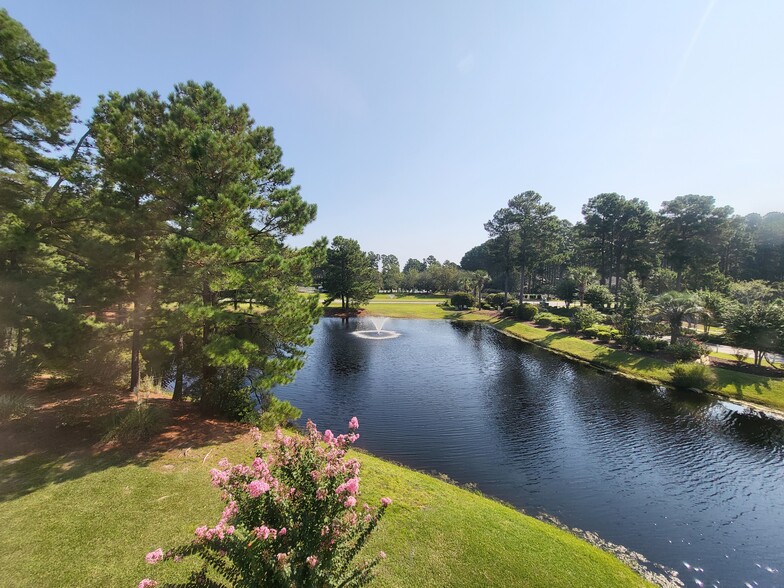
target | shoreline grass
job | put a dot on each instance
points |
(764, 391)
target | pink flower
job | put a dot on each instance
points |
(282, 531)
(257, 487)
(260, 466)
(353, 423)
(228, 512)
(147, 583)
(382, 555)
(312, 560)
(350, 502)
(255, 434)
(262, 532)
(351, 486)
(219, 477)
(281, 557)
(154, 556)
(328, 436)
(386, 501)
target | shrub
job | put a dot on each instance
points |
(462, 300)
(585, 317)
(692, 375)
(544, 319)
(137, 424)
(14, 370)
(598, 296)
(687, 350)
(277, 413)
(662, 344)
(291, 519)
(526, 312)
(560, 311)
(560, 322)
(510, 308)
(646, 345)
(13, 405)
(604, 336)
(495, 300)
(591, 332)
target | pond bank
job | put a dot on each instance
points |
(760, 393)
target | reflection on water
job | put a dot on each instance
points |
(689, 481)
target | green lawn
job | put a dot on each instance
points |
(421, 310)
(89, 522)
(762, 390)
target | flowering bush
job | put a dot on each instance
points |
(291, 518)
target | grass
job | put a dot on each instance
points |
(94, 528)
(419, 310)
(761, 390)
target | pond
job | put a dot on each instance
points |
(689, 481)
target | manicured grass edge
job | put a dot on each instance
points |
(94, 529)
(759, 393)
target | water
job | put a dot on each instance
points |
(689, 481)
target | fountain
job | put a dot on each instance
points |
(380, 332)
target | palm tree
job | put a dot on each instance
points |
(584, 276)
(675, 307)
(480, 279)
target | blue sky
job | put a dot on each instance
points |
(409, 123)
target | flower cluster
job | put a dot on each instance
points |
(291, 517)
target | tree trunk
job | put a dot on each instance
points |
(207, 401)
(135, 349)
(178, 360)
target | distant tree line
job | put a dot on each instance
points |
(690, 243)
(645, 272)
(354, 276)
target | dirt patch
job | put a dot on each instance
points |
(66, 418)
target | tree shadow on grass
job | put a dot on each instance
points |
(743, 383)
(61, 439)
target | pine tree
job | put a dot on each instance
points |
(207, 207)
(38, 203)
(348, 274)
